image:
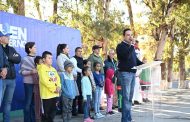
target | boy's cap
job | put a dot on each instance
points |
(68, 64)
(4, 34)
(96, 47)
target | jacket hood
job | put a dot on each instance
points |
(110, 73)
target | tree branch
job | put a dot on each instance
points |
(147, 4)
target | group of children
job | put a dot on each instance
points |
(54, 85)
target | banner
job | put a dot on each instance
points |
(46, 36)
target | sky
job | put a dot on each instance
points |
(137, 9)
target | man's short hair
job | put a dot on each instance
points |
(76, 49)
(45, 53)
(127, 29)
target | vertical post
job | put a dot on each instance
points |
(152, 92)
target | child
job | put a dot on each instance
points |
(86, 93)
(28, 70)
(69, 90)
(109, 90)
(87, 63)
(99, 80)
(37, 100)
(38, 60)
(145, 82)
(50, 86)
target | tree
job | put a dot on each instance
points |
(55, 2)
(3, 7)
(160, 11)
(128, 2)
(37, 5)
(182, 39)
(98, 25)
(18, 6)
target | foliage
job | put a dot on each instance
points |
(89, 19)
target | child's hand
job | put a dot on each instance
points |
(53, 79)
(58, 89)
(34, 71)
(75, 78)
(3, 73)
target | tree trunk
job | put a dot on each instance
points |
(105, 39)
(161, 44)
(55, 11)
(37, 4)
(104, 47)
(21, 7)
(181, 70)
(163, 71)
(170, 64)
(100, 10)
(170, 60)
(107, 6)
(128, 2)
(18, 7)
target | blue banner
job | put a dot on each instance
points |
(46, 36)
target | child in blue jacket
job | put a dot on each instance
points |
(99, 80)
(69, 90)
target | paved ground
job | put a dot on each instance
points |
(169, 106)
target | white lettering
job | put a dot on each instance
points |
(14, 32)
(17, 43)
(18, 37)
(22, 33)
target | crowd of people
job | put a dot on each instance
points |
(75, 86)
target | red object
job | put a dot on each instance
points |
(118, 87)
(109, 86)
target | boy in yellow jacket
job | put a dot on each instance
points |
(50, 86)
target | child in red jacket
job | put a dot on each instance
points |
(109, 90)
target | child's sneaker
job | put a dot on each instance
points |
(97, 116)
(107, 113)
(111, 112)
(88, 120)
(101, 115)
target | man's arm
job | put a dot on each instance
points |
(14, 57)
(60, 63)
(92, 62)
(74, 61)
(139, 62)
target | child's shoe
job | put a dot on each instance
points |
(88, 120)
(101, 115)
(97, 116)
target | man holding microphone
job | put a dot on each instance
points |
(127, 60)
